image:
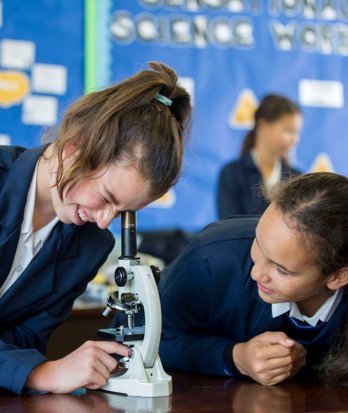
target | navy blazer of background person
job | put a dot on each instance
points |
(239, 187)
(43, 295)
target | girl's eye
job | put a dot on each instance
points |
(281, 271)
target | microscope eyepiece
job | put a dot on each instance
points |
(128, 234)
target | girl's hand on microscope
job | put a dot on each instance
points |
(88, 366)
(269, 358)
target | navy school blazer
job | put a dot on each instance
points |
(42, 297)
(210, 302)
(239, 187)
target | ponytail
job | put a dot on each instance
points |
(248, 142)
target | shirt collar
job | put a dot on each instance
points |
(323, 314)
(27, 224)
(36, 239)
(276, 173)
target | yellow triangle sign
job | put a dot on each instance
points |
(242, 115)
(322, 163)
(166, 201)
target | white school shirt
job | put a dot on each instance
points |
(276, 174)
(30, 242)
(323, 314)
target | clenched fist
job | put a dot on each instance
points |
(269, 358)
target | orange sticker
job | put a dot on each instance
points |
(13, 87)
(166, 201)
(242, 115)
(322, 163)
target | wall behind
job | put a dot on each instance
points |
(229, 53)
(41, 66)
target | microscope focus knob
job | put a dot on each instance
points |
(120, 276)
(156, 273)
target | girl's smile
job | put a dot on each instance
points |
(264, 289)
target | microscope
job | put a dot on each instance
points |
(142, 373)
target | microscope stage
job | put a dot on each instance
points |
(122, 334)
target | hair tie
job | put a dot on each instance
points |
(163, 99)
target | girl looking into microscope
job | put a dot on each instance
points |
(116, 149)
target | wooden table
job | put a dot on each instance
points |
(192, 394)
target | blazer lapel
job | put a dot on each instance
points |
(38, 279)
(7, 253)
(13, 198)
(13, 195)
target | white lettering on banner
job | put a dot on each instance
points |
(199, 31)
(310, 9)
(324, 9)
(231, 24)
(196, 5)
(311, 37)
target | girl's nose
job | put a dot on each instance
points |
(105, 216)
(294, 138)
(259, 274)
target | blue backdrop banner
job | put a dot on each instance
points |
(41, 66)
(228, 53)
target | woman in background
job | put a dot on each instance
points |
(264, 158)
(117, 149)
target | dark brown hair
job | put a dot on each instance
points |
(316, 205)
(334, 368)
(124, 123)
(271, 109)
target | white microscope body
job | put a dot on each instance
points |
(143, 374)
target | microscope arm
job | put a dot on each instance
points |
(145, 286)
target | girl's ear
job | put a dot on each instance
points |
(70, 150)
(338, 279)
(261, 124)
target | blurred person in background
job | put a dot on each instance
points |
(264, 158)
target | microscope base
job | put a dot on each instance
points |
(141, 381)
